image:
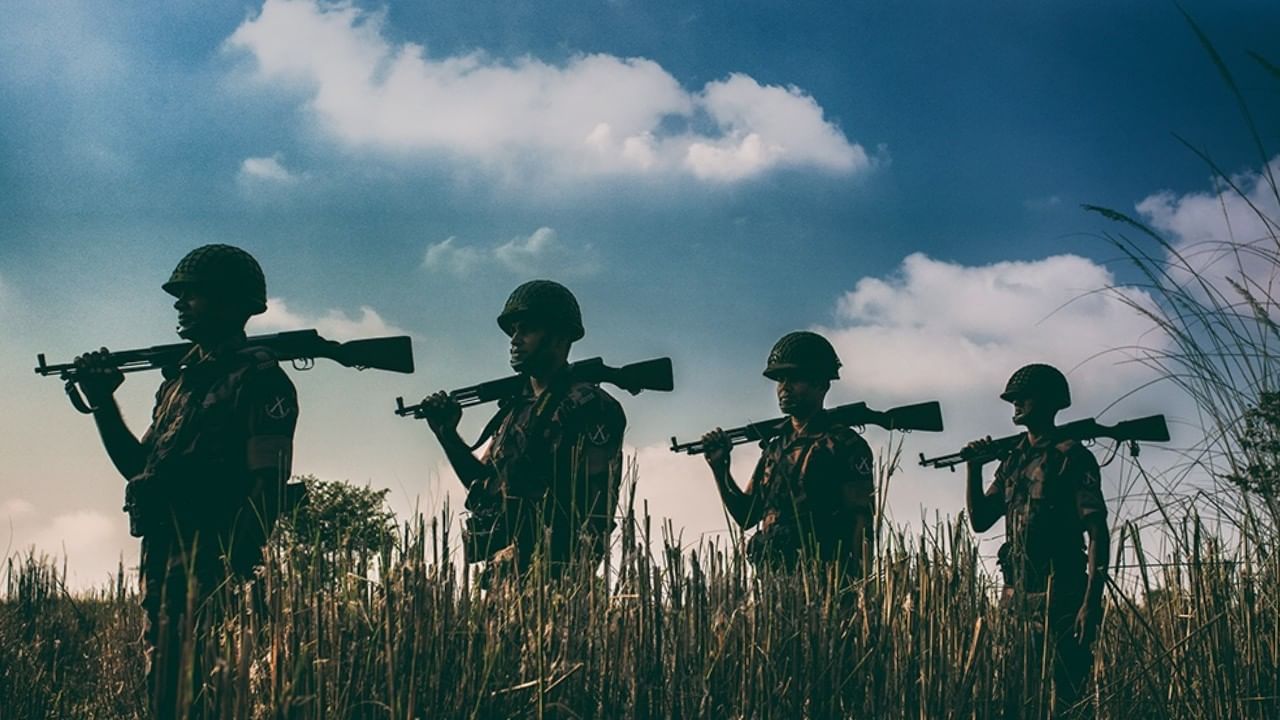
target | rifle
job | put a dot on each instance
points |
(925, 416)
(647, 375)
(301, 347)
(1146, 429)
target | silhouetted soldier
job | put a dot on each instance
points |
(205, 480)
(555, 460)
(1049, 492)
(812, 492)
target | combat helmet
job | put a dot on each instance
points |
(804, 353)
(228, 269)
(1041, 381)
(547, 301)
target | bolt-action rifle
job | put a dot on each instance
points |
(926, 417)
(1146, 429)
(301, 347)
(634, 378)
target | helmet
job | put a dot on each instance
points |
(226, 268)
(547, 301)
(805, 353)
(1038, 380)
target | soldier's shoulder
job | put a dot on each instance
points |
(843, 436)
(261, 365)
(589, 395)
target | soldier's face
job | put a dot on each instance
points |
(534, 348)
(1030, 411)
(203, 316)
(801, 397)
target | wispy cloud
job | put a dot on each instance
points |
(266, 170)
(542, 252)
(595, 114)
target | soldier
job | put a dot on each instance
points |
(1049, 492)
(812, 491)
(205, 480)
(554, 465)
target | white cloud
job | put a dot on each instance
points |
(542, 252)
(1200, 224)
(450, 256)
(334, 324)
(594, 114)
(16, 508)
(266, 169)
(90, 542)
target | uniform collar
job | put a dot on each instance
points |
(200, 356)
(817, 425)
(558, 381)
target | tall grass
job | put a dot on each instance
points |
(691, 634)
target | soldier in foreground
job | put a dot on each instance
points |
(205, 480)
(554, 466)
(812, 492)
(1049, 492)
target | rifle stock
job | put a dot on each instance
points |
(925, 417)
(300, 347)
(653, 374)
(1152, 428)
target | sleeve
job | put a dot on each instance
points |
(1086, 483)
(589, 457)
(269, 404)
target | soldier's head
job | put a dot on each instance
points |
(543, 320)
(1038, 392)
(803, 364)
(218, 287)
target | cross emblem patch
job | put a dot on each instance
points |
(278, 409)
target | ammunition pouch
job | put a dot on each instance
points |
(778, 544)
(1004, 559)
(143, 507)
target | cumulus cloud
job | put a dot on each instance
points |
(954, 333)
(91, 543)
(1201, 223)
(266, 169)
(542, 252)
(594, 114)
(334, 324)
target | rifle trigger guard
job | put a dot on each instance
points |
(303, 364)
(1134, 448)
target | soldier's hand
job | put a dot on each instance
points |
(1086, 624)
(441, 412)
(716, 449)
(97, 379)
(978, 450)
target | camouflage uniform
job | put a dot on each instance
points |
(1048, 490)
(555, 463)
(815, 486)
(217, 420)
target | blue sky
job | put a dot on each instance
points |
(421, 159)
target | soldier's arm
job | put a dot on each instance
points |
(443, 414)
(590, 457)
(857, 500)
(99, 382)
(984, 508)
(267, 411)
(739, 503)
(1091, 509)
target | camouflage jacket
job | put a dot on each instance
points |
(818, 484)
(555, 462)
(1048, 489)
(218, 419)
